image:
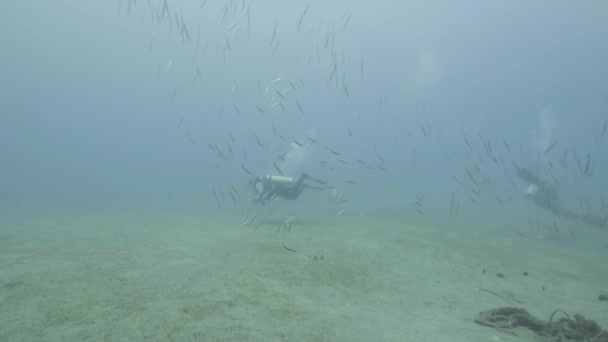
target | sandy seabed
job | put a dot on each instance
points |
(179, 278)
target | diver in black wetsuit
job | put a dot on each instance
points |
(542, 194)
(547, 197)
(267, 187)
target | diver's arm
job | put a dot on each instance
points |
(264, 194)
(260, 197)
(269, 194)
(256, 199)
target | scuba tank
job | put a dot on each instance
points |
(280, 180)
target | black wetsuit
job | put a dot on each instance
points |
(547, 197)
(266, 188)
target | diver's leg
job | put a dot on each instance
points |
(307, 176)
(300, 181)
(592, 220)
(312, 187)
(293, 192)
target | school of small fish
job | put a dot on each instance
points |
(266, 106)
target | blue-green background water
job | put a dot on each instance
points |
(93, 95)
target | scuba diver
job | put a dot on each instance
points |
(547, 197)
(268, 187)
(541, 193)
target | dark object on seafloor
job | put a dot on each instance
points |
(507, 319)
(602, 297)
